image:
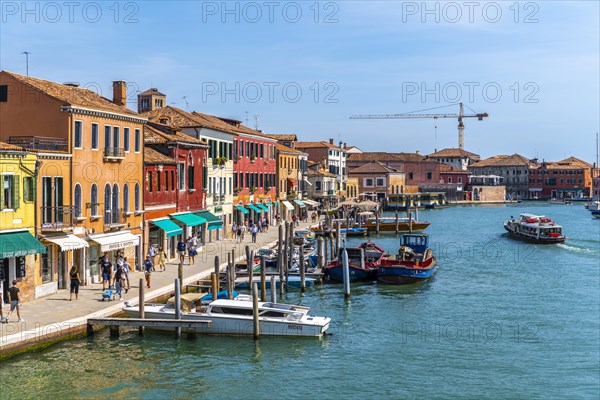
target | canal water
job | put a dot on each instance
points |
(501, 319)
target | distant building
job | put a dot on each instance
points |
(353, 150)
(151, 99)
(513, 169)
(569, 178)
(288, 140)
(322, 184)
(329, 156)
(376, 181)
(457, 158)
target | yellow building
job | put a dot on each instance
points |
(287, 180)
(352, 188)
(19, 247)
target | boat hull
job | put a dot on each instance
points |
(397, 273)
(356, 274)
(402, 227)
(531, 239)
(226, 325)
(293, 282)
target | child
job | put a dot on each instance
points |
(147, 270)
(162, 259)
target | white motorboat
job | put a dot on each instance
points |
(235, 317)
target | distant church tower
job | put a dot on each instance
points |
(150, 100)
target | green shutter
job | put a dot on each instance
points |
(1, 192)
(16, 192)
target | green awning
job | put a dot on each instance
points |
(214, 222)
(18, 244)
(242, 209)
(170, 227)
(264, 207)
(253, 207)
(299, 202)
(190, 219)
(276, 204)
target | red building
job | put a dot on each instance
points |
(454, 176)
(569, 178)
(174, 186)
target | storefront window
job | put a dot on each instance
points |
(47, 266)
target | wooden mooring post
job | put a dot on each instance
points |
(217, 271)
(396, 213)
(256, 324)
(178, 306)
(142, 301)
(229, 276)
(280, 260)
(180, 272)
(263, 279)
(215, 285)
(346, 271)
(302, 270)
(274, 289)
(320, 243)
(250, 266)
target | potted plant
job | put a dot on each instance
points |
(253, 189)
(220, 161)
(236, 190)
(252, 158)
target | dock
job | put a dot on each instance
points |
(115, 323)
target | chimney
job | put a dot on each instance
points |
(417, 152)
(120, 93)
(330, 141)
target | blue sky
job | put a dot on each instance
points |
(346, 57)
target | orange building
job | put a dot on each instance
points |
(102, 196)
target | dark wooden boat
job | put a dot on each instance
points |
(413, 263)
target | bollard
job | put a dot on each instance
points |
(273, 289)
(256, 324)
(141, 305)
(346, 270)
(229, 277)
(178, 306)
(217, 270)
(250, 266)
(302, 270)
(396, 220)
(377, 221)
(362, 259)
(338, 237)
(215, 285)
(263, 279)
(320, 262)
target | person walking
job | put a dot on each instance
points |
(106, 268)
(13, 297)
(152, 254)
(126, 270)
(243, 231)
(181, 249)
(234, 229)
(162, 259)
(191, 249)
(119, 281)
(254, 232)
(148, 270)
(75, 281)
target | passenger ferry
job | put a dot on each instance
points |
(535, 229)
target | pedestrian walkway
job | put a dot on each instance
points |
(55, 315)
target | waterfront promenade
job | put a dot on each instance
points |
(55, 317)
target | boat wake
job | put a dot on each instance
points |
(579, 249)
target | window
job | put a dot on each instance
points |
(107, 136)
(77, 200)
(191, 183)
(460, 179)
(181, 172)
(126, 139)
(107, 218)
(368, 182)
(449, 179)
(10, 192)
(126, 198)
(158, 181)
(94, 136)
(137, 197)
(172, 180)
(94, 199)
(149, 181)
(137, 141)
(318, 186)
(3, 93)
(167, 180)
(380, 182)
(204, 178)
(116, 137)
(28, 189)
(77, 135)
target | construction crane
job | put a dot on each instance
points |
(413, 114)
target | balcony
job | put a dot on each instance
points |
(57, 219)
(114, 154)
(114, 219)
(218, 198)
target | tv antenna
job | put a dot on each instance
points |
(256, 122)
(246, 118)
(187, 104)
(27, 53)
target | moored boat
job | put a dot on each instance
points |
(362, 263)
(293, 282)
(413, 263)
(354, 231)
(535, 229)
(235, 317)
(388, 224)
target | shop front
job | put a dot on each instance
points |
(113, 244)
(214, 224)
(164, 233)
(63, 251)
(300, 209)
(17, 261)
(191, 225)
(241, 215)
(287, 210)
(255, 212)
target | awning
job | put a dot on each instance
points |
(242, 209)
(190, 219)
(264, 207)
(300, 203)
(67, 242)
(253, 207)
(170, 227)
(276, 204)
(311, 203)
(214, 222)
(287, 205)
(115, 241)
(18, 244)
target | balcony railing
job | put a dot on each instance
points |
(218, 198)
(57, 218)
(114, 218)
(114, 153)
